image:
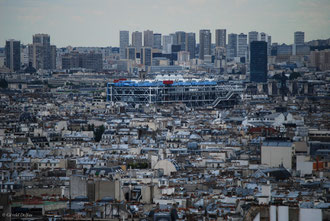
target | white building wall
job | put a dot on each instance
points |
(310, 214)
(304, 165)
(272, 213)
(283, 213)
(275, 156)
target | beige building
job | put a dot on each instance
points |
(277, 153)
(320, 59)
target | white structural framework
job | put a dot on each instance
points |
(191, 93)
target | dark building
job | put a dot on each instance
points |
(13, 55)
(70, 60)
(157, 41)
(273, 51)
(258, 63)
(131, 53)
(175, 48)
(220, 38)
(52, 57)
(191, 44)
(232, 45)
(146, 56)
(181, 39)
(41, 53)
(205, 43)
(115, 50)
(91, 61)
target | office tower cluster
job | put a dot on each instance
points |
(262, 36)
(181, 48)
(219, 51)
(165, 44)
(296, 51)
(238, 46)
(38, 55)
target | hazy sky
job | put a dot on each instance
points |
(97, 22)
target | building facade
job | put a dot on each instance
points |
(41, 52)
(131, 53)
(191, 44)
(299, 38)
(258, 62)
(146, 56)
(262, 37)
(92, 61)
(167, 44)
(220, 38)
(157, 41)
(320, 59)
(123, 43)
(205, 41)
(242, 46)
(137, 40)
(148, 38)
(253, 36)
(276, 154)
(181, 39)
(232, 45)
(13, 55)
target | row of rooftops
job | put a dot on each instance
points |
(210, 149)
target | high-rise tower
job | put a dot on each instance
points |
(232, 45)
(204, 43)
(242, 46)
(13, 55)
(258, 63)
(220, 38)
(191, 44)
(157, 41)
(299, 38)
(41, 52)
(137, 40)
(148, 38)
(123, 43)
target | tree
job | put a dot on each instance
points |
(98, 133)
(277, 77)
(294, 75)
(3, 83)
(90, 127)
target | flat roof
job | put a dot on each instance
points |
(161, 83)
(277, 144)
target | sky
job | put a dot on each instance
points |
(98, 22)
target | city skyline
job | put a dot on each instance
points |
(98, 24)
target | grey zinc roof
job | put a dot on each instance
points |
(277, 144)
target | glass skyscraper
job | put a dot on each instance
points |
(258, 63)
